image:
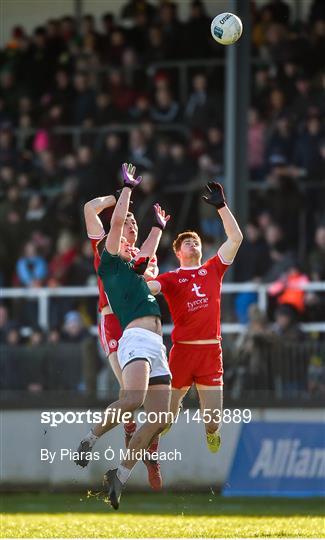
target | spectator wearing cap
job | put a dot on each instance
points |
(73, 330)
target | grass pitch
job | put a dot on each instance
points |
(159, 515)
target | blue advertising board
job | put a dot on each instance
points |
(279, 459)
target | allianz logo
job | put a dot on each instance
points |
(224, 19)
(287, 458)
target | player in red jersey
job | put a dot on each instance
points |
(193, 295)
(109, 328)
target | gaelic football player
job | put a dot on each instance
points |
(193, 295)
(109, 328)
(141, 352)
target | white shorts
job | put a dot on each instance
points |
(141, 343)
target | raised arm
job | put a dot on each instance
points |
(216, 198)
(150, 245)
(92, 208)
(113, 239)
(229, 248)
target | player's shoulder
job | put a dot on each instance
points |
(213, 261)
(106, 256)
(168, 277)
(173, 274)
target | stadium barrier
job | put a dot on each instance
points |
(43, 296)
(279, 459)
(197, 468)
(276, 371)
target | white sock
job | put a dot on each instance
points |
(123, 474)
(91, 438)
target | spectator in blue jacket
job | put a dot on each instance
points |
(31, 268)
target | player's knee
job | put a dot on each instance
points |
(133, 401)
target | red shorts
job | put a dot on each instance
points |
(110, 332)
(200, 364)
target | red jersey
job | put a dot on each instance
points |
(193, 296)
(102, 299)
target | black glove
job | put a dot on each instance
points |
(140, 266)
(216, 196)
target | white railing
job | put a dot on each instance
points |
(44, 295)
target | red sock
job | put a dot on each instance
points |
(154, 445)
(130, 427)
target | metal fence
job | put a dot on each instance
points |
(44, 295)
(278, 369)
(275, 370)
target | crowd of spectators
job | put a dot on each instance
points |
(107, 78)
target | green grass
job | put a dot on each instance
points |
(159, 515)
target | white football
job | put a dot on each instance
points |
(226, 28)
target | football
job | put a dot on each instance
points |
(226, 28)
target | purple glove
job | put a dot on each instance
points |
(160, 217)
(128, 172)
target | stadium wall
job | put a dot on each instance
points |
(24, 436)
